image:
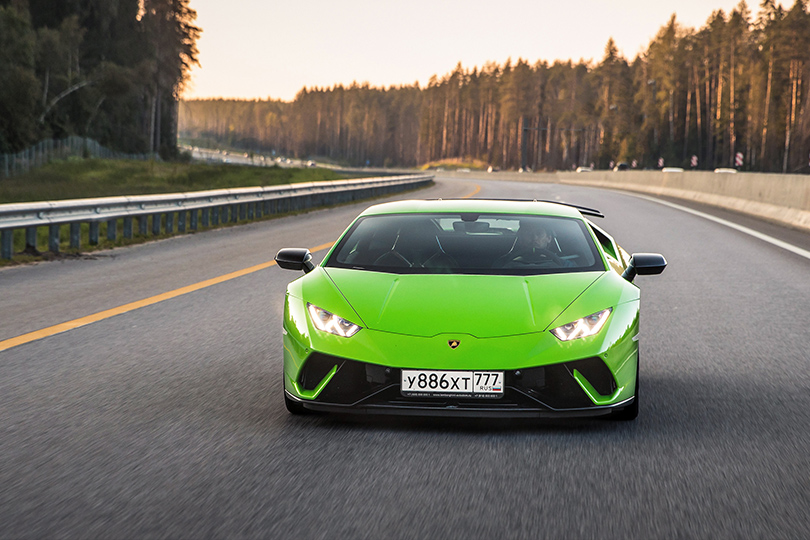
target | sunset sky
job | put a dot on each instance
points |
(261, 49)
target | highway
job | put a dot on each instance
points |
(217, 156)
(167, 421)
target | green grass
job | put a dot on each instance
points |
(79, 179)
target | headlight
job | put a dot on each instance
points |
(584, 327)
(329, 322)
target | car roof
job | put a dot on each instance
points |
(483, 206)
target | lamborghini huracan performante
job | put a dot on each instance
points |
(478, 308)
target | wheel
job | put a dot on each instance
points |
(293, 406)
(631, 411)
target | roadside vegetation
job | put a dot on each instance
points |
(733, 89)
(78, 179)
(110, 71)
(456, 163)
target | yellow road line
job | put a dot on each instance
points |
(106, 314)
(475, 192)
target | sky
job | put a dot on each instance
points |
(259, 49)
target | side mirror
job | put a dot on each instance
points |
(644, 264)
(295, 259)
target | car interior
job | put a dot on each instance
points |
(464, 243)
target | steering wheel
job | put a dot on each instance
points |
(540, 258)
(392, 258)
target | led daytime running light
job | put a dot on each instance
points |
(584, 327)
(331, 323)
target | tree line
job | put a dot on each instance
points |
(111, 70)
(738, 85)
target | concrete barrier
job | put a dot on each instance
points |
(779, 198)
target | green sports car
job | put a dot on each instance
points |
(474, 307)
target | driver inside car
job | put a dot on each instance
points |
(533, 248)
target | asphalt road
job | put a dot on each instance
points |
(259, 160)
(167, 421)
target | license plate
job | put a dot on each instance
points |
(423, 383)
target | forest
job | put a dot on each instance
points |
(111, 70)
(696, 98)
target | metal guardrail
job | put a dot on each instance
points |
(157, 213)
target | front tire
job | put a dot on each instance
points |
(630, 412)
(293, 407)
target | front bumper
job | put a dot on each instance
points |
(453, 410)
(559, 390)
(543, 377)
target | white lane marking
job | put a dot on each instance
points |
(751, 232)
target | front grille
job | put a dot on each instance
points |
(597, 373)
(551, 386)
(352, 382)
(316, 368)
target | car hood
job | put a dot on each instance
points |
(482, 306)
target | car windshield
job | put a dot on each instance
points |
(467, 243)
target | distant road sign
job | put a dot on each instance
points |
(634, 164)
(660, 162)
(738, 159)
(694, 161)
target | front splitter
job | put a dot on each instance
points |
(454, 411)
